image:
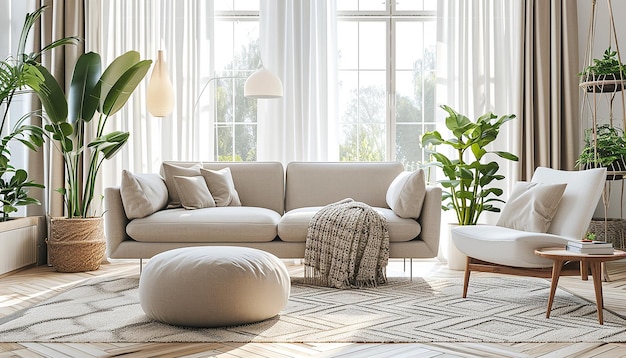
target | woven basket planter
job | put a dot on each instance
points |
(76, 245)
(610, 231)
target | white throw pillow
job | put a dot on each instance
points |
(193, 192)
(169, 171)
(142, 194)
(531, 206)
(406, 193)
(221, 186)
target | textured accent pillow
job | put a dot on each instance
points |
(406, 193)
(221, 186)
(142, 194)
(171, 170)
(531, 206)
(193, 192)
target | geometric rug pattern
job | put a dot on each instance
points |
(497, 309)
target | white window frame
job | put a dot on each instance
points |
(391, 17)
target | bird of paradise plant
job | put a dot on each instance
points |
(93, 94)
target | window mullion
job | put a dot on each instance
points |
(391, 90)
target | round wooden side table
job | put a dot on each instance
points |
(560, 255)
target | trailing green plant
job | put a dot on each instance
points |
(604, 148)
(92, 94)
(609, 64)
(467, 188)
(19, 75)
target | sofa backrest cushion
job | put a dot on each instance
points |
(406, 193)
(171, 169)
(319, 183)
(258, 184)
(142, 194)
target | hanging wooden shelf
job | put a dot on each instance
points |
(604, 85)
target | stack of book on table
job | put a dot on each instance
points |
(590, 247)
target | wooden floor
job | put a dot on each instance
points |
(27, 287)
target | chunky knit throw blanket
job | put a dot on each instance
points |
(347, 245)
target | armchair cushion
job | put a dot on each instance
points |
(531, 206)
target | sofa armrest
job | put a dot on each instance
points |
(115, 220)
(430, 219)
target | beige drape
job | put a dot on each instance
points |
(549, 125)
(60, 19)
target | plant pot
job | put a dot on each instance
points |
(456, 259)
(77, 244)
(600, 86)
(617, 166)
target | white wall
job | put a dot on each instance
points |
(600, 43)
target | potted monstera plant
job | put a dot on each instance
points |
(469, 176)
(77, 124)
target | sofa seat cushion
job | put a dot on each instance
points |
(294, 225)
(221, 224)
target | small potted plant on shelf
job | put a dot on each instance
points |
(77, 242)
(604, 147)
(607, 69)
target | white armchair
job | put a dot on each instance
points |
(498, 249)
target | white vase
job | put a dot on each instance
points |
(456, 259)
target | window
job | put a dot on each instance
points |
(386, 79)
(236, 55)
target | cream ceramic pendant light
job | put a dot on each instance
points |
(160, 96)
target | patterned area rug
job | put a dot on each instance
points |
(507, 309)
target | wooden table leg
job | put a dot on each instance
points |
(605, 273)
(467, 276)
(556, 272)
(596, 273)
(583, 270)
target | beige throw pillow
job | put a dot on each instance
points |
(406, 193)
(142, 194)
(221, 186)
(193, 192)
(169, 171)
(531, 206)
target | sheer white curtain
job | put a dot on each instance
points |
(299, 43)
(184, 29)
(479, 67)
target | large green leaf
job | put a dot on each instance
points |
(82, 99)
(114, 72)
(52, 97)
(111, 143)
(123, 88)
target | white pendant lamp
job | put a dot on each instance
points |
(160, 95)
(263, 84)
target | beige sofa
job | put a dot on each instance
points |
(276, 206)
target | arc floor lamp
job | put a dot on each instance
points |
(160, 96)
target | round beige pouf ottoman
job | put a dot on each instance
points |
(213, 286)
